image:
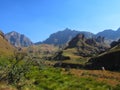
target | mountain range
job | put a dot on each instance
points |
(60, 37)
(110, 34)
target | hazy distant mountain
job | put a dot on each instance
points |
(38, 43)
(18, 39)
(110, 34)
(62, 37)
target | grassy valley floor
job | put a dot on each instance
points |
(49, 78)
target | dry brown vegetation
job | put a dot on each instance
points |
(4, 86)
(43, 50)
(109, 77)
(6, 48)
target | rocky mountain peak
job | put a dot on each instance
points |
(63, 37)
(100, 39)
(18, 40)
(74, 41)
(80, 36)
(88, 46)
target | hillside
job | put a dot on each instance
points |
(109, 60)
(80, 49)
(41, 51)
(18, 40)
(6, 49)
(62, 37)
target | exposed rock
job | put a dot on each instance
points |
(80, 46)
(18, 40)
(88, 47)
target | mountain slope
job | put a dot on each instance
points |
(110, 60)
(6, 49)
(80, 48)
(110, 34)
(18, 39)
(41, 51)
(86, 46)
(62, 37)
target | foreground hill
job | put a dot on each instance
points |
(18, 40)
(6, 49)
(62, 37)
(110, 60)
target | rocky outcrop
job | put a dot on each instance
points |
(88, 47)
(80, 46)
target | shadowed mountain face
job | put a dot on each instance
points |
(18, 40)
(62, 37)
(110, 60)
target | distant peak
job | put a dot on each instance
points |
(18, 39)
(67, 29)
(13, 32)
(108, 30)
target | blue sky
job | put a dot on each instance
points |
(37, 19)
